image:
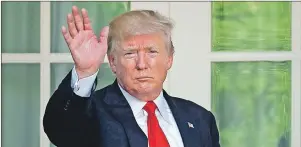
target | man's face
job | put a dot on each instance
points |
(141, 65)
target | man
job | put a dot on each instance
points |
(134, 111)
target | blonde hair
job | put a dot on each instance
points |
(138, 22)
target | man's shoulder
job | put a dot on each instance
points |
(190, 107)
(100, 93)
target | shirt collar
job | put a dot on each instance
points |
(137, 105)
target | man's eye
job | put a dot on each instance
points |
(153, 51)
(130, 54)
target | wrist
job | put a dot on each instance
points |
(85, 73)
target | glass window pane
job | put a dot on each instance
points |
(251, 26)
(21, 105)
(100, 13)
(252, 103)
(20, 27)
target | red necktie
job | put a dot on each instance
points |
(156, 137)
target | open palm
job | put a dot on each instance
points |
(88, 52)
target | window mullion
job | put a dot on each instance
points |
(45, 67)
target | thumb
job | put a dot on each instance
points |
(104, 35)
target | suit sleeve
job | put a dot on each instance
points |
(214, 131)
(68, 119)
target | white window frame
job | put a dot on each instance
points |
(192, 40)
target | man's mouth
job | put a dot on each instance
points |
(143, 78)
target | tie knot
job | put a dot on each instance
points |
(150, 107)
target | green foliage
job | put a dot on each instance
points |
(252, 103)
(252, 100)
(251, 26)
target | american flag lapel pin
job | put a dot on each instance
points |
(190, 125)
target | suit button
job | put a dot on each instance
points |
(67, 104)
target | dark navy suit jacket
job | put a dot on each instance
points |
(106, 120)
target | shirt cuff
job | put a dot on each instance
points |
(83, 86)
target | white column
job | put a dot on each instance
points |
(190, 74)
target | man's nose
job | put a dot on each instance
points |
(141, 61)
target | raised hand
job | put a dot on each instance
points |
(87, 51)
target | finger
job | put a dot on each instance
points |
(71, 26)
(66, 35)
(77, 18)
(104, 35)
(87, 22)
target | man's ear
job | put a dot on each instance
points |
(112, 62)
(169, 61)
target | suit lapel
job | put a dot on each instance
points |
(187, 126)
(121, 110)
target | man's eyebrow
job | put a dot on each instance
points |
(135, 47)
(129, 49)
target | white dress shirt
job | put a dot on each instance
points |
(164, 115)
